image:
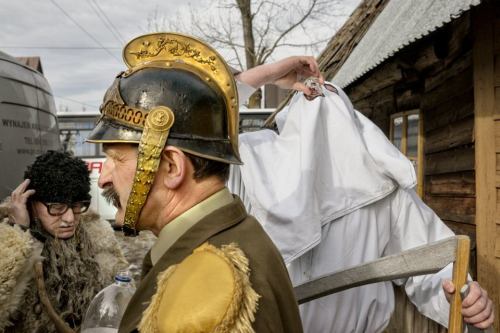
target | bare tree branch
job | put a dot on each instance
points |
(284, 33)
(249, 32)
(303, 44)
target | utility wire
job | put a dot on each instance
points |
(61, 47)
(99, 15)
(113, 27)
(85, 31)
(74, 100)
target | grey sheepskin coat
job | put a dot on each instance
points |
(74, 272)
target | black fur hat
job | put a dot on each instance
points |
(58, 177)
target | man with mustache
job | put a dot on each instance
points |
(213, 268)
(46, 218)
(111, 196)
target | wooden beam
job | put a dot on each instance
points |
(459, 66)
(497, 33)
(497, 247)
(497, 135)
(450, 161)
(461, 36)
(469, 230)
(453, 135)
(425, 58)
(497, 101)
(448, 90)
(453, 208)
(450, 111)
(383, 77)
(497, 70)
(484, 98)
(460, 184)
(407, 99)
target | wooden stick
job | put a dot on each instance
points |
(460, 269)
(425, 259)
(61, 326)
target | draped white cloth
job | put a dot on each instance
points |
(327, 161)
(398, 222)
(333, 192)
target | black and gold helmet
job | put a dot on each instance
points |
(178, 91)
(185, 75)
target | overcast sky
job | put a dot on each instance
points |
(80, 55)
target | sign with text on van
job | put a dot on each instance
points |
(98, 203)
(95, 166)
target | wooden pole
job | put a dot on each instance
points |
(486, 36)
(460, 269)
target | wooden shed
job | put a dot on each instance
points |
(427, 72)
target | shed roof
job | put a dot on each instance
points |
(348, 36)
(33, 62)
(400, 23)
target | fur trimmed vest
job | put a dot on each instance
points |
(74, 271)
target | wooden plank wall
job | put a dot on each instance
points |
(447, 103)
(495, 274)
(434, 75)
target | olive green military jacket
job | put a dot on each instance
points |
(277, 309)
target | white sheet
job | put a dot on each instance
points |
(333, 192)
(327, 161)
(391, 225)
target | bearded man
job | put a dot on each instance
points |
(46, 220)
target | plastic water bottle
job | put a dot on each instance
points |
(106, 309)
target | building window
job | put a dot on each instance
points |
(73, 142)
(406, 133)
(73, 131)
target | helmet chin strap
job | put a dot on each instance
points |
(154, 137)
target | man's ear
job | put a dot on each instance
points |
(174, 166)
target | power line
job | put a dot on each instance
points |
(85, 31)
(74, 100)
(99, 15)
(118, 35)
(61, 47)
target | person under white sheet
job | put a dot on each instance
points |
(333, 192)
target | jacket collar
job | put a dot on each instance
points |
(173, 230)
(221, 219)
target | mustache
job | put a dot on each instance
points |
(111, 196)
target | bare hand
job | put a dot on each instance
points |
(288, 73)
(292, 71)
(477, 308)
(18, 209)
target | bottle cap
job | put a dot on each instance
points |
(123, 277)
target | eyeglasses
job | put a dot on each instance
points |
(59, 208)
